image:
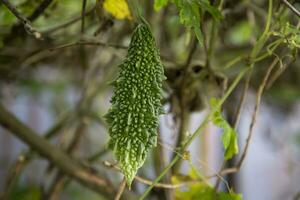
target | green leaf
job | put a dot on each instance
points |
(229, 137)
(213, 11)
(189, 14)
(159, 4)
(229, 196)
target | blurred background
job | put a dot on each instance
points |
(57, 83)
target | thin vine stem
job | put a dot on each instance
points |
(261, 41)
(135, 11)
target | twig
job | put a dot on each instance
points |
(26, 23)
(82, 16)
(68, 23)
(242, 100)
(211, 43)
(159, 162)
(53, 154)
(191, 54)
(60, 181)
(184, 114)
(256, 109)
(121, 189)
(149, 182)
(165, 185)
(291, 7)
(56, 186)
(182, 156)
(224, 172)
(13, 174)
(90, 43)
(277, 73)
(183, 128)
(39, 10)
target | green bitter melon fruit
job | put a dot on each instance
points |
(134, 114)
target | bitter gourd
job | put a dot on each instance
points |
(134, 114)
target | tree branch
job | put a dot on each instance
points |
(53, 154)
(82, 16)
(121, 190)
(26, 23)
(39, 10)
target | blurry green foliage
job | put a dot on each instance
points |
(297, 139)
(284, 94)
(158, 4)
(58, 12)
(36, 87)
(240, 33)
(203, 191)
(26, 193)
(75, 192)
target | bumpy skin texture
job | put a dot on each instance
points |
(134, 114)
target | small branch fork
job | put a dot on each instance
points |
(26, 23)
